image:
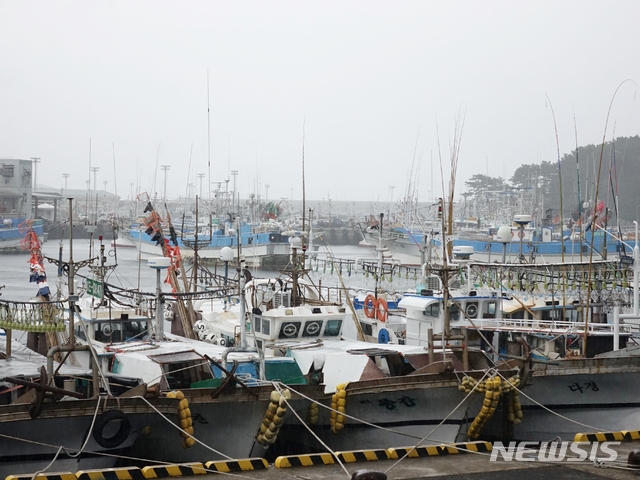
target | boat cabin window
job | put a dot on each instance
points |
(332, 328)
(266, 326)
(367, 328)
(182, 374)
(289, 330)
(80, 332)
(262, 325)
(432, 310)
(312, 328)
(454, 312)
(489, 310)
(113, 332)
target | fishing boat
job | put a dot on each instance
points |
(518, 242)
(398, 393)
(126, 334)
(63, 417)
(259, 241)
(564, 320)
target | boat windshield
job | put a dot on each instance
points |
(119, 331)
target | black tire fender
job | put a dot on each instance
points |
(120, 436)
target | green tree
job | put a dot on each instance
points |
(478, 184)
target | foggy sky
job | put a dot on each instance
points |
(377, 87)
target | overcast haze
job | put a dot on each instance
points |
(371, 82)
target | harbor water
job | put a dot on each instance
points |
(132, 272)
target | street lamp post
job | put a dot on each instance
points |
(200, 177)
(164, 195)
(233, 201)
(36, 161)
(94, 170)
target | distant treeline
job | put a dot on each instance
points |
(616, 164)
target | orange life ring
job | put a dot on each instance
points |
(382, 310)
(370, 311)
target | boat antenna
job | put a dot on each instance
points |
(559, 179)
(575, 129)
(304, 206)
(208, 143)
(594, 214)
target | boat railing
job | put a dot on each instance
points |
(32, 316)
(555, 326)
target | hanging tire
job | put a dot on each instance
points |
(119, 437)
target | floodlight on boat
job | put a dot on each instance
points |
(159, 262)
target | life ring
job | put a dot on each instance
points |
(370, 311)
(382, 310)
(116, 439)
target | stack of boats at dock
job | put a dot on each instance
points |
(514, 243)
(263, 243)
(254, 365)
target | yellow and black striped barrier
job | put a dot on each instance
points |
(621, 436)
(44, 476)
(435, 450)
(162, 471)
(304, 460)
(243, 465)
(363, 455)
(124, 473)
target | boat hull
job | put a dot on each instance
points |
(226, 425)
(394, 412)
(28, 445)
(577, 396)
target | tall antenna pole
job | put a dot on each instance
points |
(575, 128)
(559, 180)
(208, 143)
(115, 184)
(304, 205)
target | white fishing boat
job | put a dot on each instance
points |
(580, 355)
(382, 383)
(60, 417)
